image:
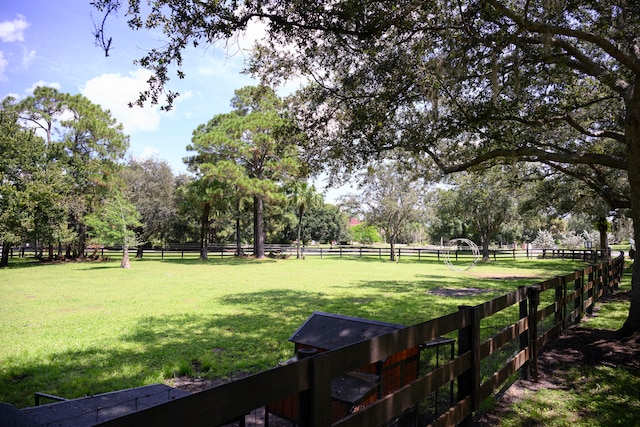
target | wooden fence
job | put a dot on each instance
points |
(358, 251)
(513, 327)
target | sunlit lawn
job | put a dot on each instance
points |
(84, 328)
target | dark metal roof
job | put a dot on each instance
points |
(328, 331)
(91, 410)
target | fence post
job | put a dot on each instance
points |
(578, 304)
(590, 293)
(469, 381)
(596, 283)
(618, 265)
(560, 302)
(534, 302)
(524, 336)
(315, 403)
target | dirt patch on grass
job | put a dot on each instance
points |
(194, 385)
(505, 276)
(458, 292)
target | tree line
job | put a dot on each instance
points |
(66, 183)
(67, 186)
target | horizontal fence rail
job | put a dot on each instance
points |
(494, 341)
(340, 251)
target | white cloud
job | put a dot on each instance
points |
(149, 153)
(115, 91)
(54, 85)
(3, 66)
(256, 31)
(27, 58)
(13, 31)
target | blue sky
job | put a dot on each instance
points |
(51, 43)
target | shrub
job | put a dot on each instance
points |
(572, 241)
(544, 240)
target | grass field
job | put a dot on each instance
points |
(77, 329)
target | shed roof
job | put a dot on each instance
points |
(328, 331)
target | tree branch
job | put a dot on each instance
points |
(612, 50)
(533, 154)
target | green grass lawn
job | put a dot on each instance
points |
(77, 329)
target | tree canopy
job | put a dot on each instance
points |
(391, 199)
(249, 152)
(458, 83)
(71, 160)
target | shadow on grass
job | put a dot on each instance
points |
(229, 260)
(254, 337)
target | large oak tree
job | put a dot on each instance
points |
(459, 82)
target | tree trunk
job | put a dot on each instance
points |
(392, 243)
(239, 251)
(485, 247)
(126, 263)
(204, 232)
(140, 251)
(4, 260)
(82, 240)
(258, 231)
(298, 255)
(632, 135)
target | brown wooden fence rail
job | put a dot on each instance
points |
(342, 251)
(358, 251)
(536, 315)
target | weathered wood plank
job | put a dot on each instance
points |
(496, 342)
(405, 398)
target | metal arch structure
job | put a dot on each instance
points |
(454, 244)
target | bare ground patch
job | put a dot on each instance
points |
(511, 276)
(458, 292)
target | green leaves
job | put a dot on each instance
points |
(114, 222)
(66, 171)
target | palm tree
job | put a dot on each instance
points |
(303, 196)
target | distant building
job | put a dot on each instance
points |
(354, 221)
